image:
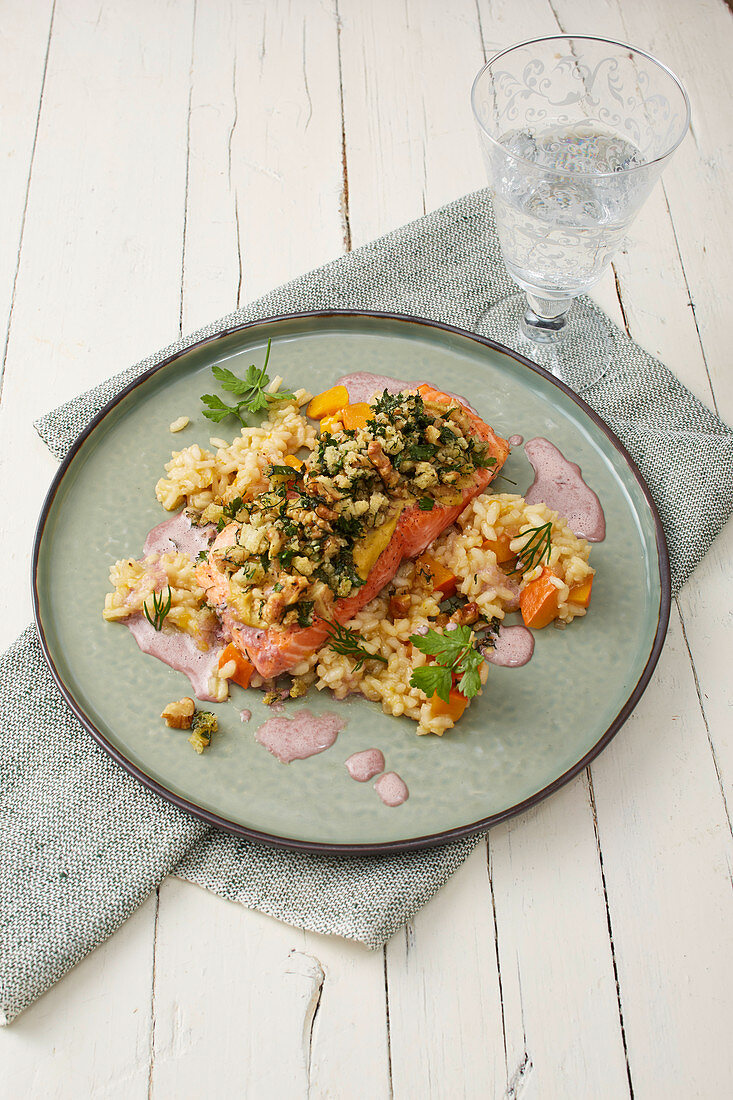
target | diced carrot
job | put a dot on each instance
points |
(538, 601)
(500, 547)
(454, 708)
(580, 593)
(293, 462)
(443, 580)
(356, 416)
(245, 668)
(328, 402)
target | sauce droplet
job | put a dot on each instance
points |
(299, 737)
(392, 789)
(515, 440)
(363, 766)
(559, 484)
(513, 647)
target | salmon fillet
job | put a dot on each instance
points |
(280, 649)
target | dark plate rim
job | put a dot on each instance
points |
(414, 843)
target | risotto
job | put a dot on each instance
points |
(499, 555)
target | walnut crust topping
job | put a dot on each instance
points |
(179, 715)
(295, 549)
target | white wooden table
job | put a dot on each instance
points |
(166, 161)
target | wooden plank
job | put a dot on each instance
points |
(90, 1034)
(98, 285)
(667, 857)
(252, 1006)
(99, 277)
(444, 994)
(246, 1005)
(24, 39)
(392, 112)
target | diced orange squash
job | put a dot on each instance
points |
(500, 547)
(538, 601)
(356, 416)
(580, 593)
(293, 462)
(443, 580)
(245, 668)
(454, 708)
(328, 402)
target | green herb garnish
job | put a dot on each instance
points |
(536, 549)
(233, 508)
(426, 504)
(454, 654)
(304, 611)
(251, 390)
(346, 642)
(161, 608)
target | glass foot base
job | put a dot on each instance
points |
(579, 357)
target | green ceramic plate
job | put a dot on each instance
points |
(532, 729)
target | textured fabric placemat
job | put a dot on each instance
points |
(84, 844)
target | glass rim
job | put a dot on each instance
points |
(582, 38)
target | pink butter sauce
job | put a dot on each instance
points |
(299, 737)
(180, 652)
(363, 386)
(364, 765)
(515, 440)
(392, 789)
(559, 484)
(512, 648)
(178, 534)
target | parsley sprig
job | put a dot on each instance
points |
(346, 642)
(161, 607)
(251, 390)
(455, 654)
(536, 549)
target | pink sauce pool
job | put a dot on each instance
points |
(363, 766)
(179, 651)
(515, 440)
(559, 484)
(362, 386)
(299, 737)
(513, 647)
(392, 789)
(178, 534)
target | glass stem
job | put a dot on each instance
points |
(545, 318)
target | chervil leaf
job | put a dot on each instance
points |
(470, 683)
(433, 680)
(454, 654)
(448, 646)
(217, 410)
(229, 381)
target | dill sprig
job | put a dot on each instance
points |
(346, 642)
(536, 549)
(161, 608)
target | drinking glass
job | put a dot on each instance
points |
(575, 131)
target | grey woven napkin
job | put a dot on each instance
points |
(84, 844)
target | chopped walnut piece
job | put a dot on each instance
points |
(466, 615)
(179, 715)
(382, 464)
(399, 606)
